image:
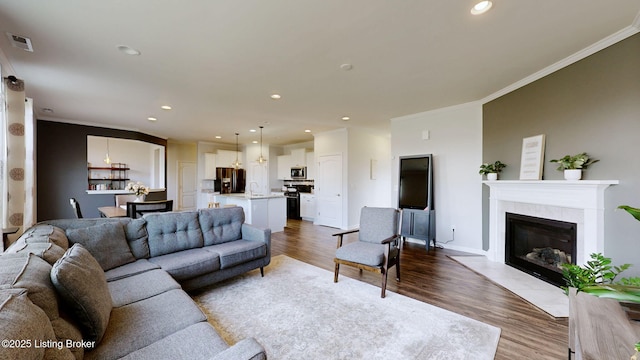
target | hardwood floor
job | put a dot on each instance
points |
(527, 332)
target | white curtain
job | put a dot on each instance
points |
(18, 157)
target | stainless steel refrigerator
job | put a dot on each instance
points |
(231, 180)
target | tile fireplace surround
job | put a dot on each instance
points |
(580, 202)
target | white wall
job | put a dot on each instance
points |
(456, 144)
(365, 146)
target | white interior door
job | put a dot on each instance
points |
(328, 189)
(187, 185)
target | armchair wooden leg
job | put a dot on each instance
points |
(262, 271)
(384, 284)
(335, 275)
(398, 268)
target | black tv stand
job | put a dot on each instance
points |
(419, 224)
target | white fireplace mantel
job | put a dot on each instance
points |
(580, 201)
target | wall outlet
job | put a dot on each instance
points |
(453, 228)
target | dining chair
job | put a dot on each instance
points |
(76, 207)
(138, 209)
(377, 248)
(121, 200)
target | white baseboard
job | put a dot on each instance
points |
(451, 247)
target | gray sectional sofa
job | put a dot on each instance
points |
(115, 288)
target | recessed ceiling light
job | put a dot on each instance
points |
(151, 118)
(481, 7)
(218, 137)
(307, 131)
(47, 110)
(128, 50)
(254, 142)
(252, 130)
(276, 96)
(346, 118)
(165, 107)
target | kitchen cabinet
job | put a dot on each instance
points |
(225, 158)
(307, 206)
(284, 167)
(269, 212)
(311, 165)
(210, 166)
(299, 157)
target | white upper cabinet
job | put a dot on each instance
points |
(299, 157)
(209, 166)
(225, 158)
(284, 167)
(311, 166)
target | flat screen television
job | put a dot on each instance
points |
(415, 185)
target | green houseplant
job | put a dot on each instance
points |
(492, 168)
(597, 277)
(573, 165)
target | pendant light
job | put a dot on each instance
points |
(236, 164)
(107, 159)
(261, 159)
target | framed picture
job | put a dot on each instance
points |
(532, 159)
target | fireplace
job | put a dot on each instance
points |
(540, 246)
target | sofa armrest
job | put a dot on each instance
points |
(250, 232)
(248, 349)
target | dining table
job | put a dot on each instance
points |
(113, 211)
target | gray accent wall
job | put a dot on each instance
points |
(590, 106)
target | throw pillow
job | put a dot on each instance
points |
(106, 242)
(81, 284)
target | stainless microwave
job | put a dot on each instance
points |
(299, 173)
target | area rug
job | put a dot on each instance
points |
(296, 311)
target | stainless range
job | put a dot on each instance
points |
(293, 203)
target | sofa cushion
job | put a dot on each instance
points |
(32, 273)
(196, 342)
(139, 287)
(188, 263)
(173, 231)
(28, 327)
(140, 324)
(82, 285)
(238, 252)
(130, 269)
(136, 232)
(106, 242)
(49, 252)
(363, 252)
(45, 233)
(221, 225)
(64, 331)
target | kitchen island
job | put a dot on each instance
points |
(265, 211)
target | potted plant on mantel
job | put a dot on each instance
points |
(573, 165)
(492, 170)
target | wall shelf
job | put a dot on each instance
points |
(114, 177)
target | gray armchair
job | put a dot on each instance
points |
(377, 248)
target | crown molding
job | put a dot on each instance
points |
(631, 30)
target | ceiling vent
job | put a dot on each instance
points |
(21, 42)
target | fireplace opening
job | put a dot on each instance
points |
(540, 246)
